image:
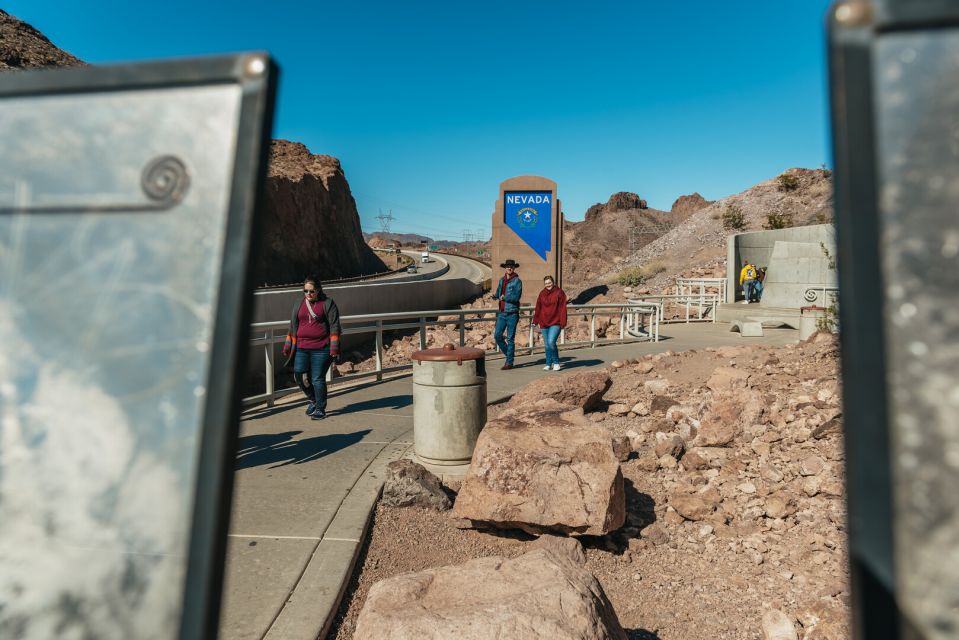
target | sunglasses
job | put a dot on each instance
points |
(308, 291)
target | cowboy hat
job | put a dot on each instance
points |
(510, 263)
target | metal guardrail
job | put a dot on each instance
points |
(704, 303)
(686, 286)
(634, 317)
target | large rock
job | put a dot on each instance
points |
(409, 484)
(545, 594)
(583, 390)
(543, 470)
(310, 225)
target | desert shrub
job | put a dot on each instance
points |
(778, 220)
(635, 276)
(821, 217)
(788, 182)
(733, 218)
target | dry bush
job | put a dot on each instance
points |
(733, 218)
(778, 220)
(636, 276)
(788, 182)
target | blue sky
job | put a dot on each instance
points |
(429, 105)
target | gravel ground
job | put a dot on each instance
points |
(669, 577)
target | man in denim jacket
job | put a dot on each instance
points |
(508, 292)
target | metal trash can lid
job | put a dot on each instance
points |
(449, 353)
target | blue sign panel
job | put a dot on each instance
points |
(529, 215)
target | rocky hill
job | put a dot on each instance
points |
(602, 238)
(23, 47)
(311, 226)
(697, 245)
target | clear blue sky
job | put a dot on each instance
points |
(429, 105)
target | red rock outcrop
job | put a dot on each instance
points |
(23, 47)
(311, 226)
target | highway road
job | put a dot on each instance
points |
(458, 268)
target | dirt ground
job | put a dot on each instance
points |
(669, 577)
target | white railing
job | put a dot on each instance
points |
(637, 321)
(703, 305)
(700, 286)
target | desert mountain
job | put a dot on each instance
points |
(603, 237)
(697, 245)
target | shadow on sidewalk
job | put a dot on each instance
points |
(281, 449)
(566, 364)
(386, 402)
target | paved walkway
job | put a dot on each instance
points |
(305, 490)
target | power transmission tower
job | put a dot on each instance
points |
(385, 221)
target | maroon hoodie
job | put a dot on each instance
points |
(550, 308)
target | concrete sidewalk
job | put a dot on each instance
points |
(305, 489)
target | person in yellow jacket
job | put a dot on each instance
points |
(747, 280)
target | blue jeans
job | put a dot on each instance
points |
(309, 369)
(506, 322)
(550, 335)
(748, 289)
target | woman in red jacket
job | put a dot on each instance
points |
(550, 315)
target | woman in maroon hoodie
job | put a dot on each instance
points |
(550, 315)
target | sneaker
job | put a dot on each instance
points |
(309, 408)
(745, 301)
(547, 368)
(556, 367)
(318, 414)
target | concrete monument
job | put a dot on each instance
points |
(528, 227)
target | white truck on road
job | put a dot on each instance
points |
(426, 256)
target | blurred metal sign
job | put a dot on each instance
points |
(894, 68)
(127, 208)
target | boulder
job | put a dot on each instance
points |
(671, 445)
(776, 626)
(545, 470)
(692, 507)
(409, 484)
(583, 390)
(727, 415)
(727, 378)
(544, 594)
(617, 409)
(622, 448)
(661, 404)
(657, 387)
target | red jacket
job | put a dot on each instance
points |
(550, 308)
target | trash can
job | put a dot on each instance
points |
(449, 404)
(809, 320)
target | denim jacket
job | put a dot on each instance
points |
(514, 291)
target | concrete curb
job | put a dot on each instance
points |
(309, 610)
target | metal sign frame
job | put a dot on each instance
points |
(256, 74)
(855, 28)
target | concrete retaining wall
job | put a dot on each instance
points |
(796, 265)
